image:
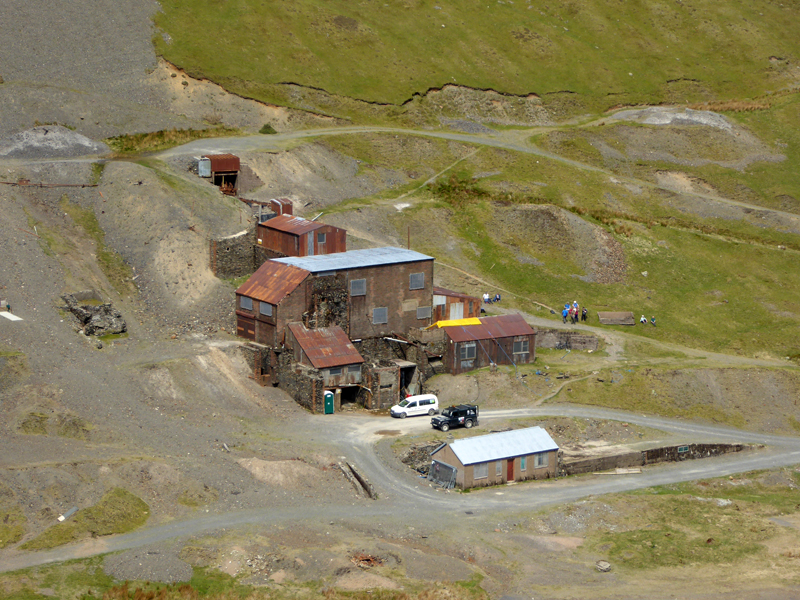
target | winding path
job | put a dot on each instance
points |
(357, 436)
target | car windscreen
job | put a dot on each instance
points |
(403, 404)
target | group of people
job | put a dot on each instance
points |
(643, 320)
(573, 312)
(487, 299)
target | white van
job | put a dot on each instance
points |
(424, 404)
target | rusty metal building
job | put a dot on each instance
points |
(223, 169)
(328, 351)
(287, 235)
(265, 304)
(369, 293)
(501, 340)
(448, 305)
(496, 458)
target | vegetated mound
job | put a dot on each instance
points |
(50, 141)
(547, 234)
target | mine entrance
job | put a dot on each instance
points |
(409, 378)
(349, 394)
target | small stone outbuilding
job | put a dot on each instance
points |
(495, 459)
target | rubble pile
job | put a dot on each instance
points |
(101, 319)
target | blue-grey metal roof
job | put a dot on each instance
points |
(504, 444)
(354, 259)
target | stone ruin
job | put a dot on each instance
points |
(101, 319)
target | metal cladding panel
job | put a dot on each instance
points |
(223, 162)
(282, 206)
(326, 347)
(439, 291)
(292, 224)
(502, 326)
(272, 282)
(354, 259)
(504, 444)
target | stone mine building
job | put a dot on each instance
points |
(375, 297)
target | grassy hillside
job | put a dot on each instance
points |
(593, 55)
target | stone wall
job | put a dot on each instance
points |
(232, 256)
(562, 339)
(646, 457)
(262, 255)
(302, 383)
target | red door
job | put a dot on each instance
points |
(510, 470)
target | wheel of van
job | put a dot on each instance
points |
(445, 427)
(403, 415)
(468, 424)
(431, 412)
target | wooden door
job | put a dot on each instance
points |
(510, 470)
(246, 327)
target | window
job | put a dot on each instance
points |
(417, 281)
(380, 315)
(523, 463)
(335, 371)
(424, 312)
(481, 471)
(245, 303)
(320, 238)
(265, 308)
(354, 369)
(358, 287)
(540, 460)
(521, 346)
(471, 307)
(498, 469)
(467, 350)
(439, 300)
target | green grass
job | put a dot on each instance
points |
(570, 54)
(111, 263)
(12, 524)
(141, 143)
(118, 511)
(684, 524)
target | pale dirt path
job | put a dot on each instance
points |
(515, 140)
(356, 436)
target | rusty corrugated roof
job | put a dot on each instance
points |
(502, 326)
(440, 291)
(326, 347)
(223, 162)
(292, 224)
(272, 282)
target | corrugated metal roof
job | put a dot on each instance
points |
(504, 444)
(272, 282)
(223, 162)
(292, 224)
(502, 326)
(326, 347)
(440, 291)
(354, 259)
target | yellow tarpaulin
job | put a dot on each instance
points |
(455, 323)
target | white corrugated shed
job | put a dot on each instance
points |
(504, 444)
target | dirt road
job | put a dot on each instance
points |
(400, 491)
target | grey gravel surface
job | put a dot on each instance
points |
(49, 141)
(155, 562)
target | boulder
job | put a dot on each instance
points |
(98, 320)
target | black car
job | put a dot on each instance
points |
(463, 415)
